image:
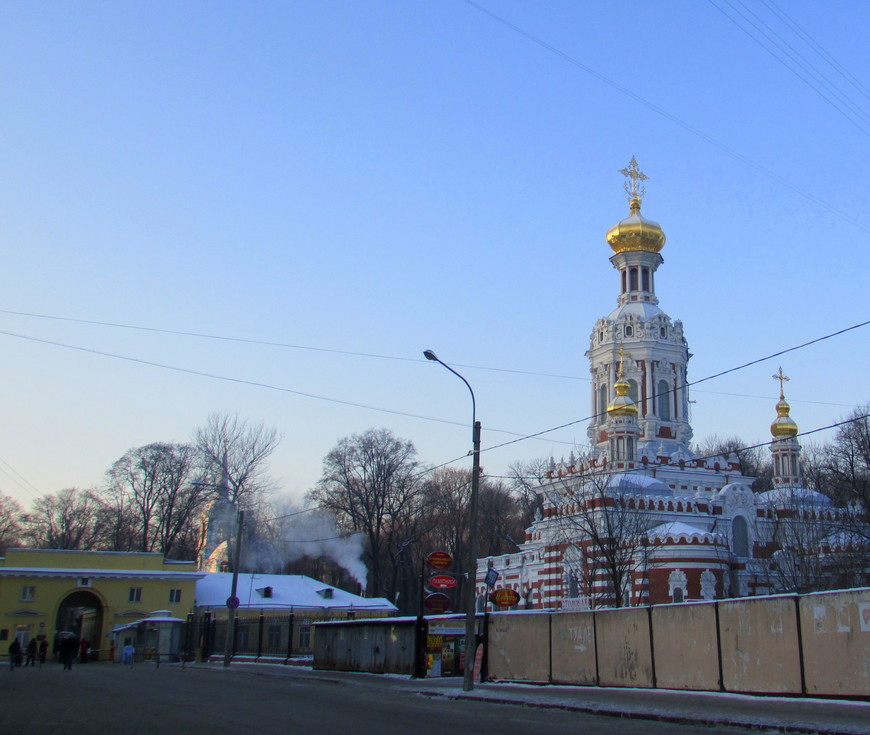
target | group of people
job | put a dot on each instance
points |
(66, 649)
(17, 656)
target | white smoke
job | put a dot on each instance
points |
(314, 534)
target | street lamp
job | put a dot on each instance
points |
(470, 607)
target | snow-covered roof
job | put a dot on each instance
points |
(679, 530)
(639, 309)
(638, 483)
(784, 497)
(287, 591)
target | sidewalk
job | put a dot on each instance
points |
(781, 714)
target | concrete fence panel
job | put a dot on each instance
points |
(835, 627)
(624, 650)
(760, 645)
(685, 648)
(519, 647)
(572, 638)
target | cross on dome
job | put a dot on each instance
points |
(781, 377)
(634, 190)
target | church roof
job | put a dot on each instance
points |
(678, 530)
(638, 484)
(783, 497)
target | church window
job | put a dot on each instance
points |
(600, 335)
(632, 279)
(678, 594)
(632, 390)
(629, 446)
(663, 397)
(663, 333)
(740, 536)
(602, 399)
(629, 330)
(623, 281)
(645, 278)
(677, 583)
(794, 469)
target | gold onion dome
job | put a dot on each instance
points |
(636, 232)
(622, 405)
(783, 425)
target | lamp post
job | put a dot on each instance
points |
(232, 600)
(470, 607)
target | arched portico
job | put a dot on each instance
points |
(81, 613)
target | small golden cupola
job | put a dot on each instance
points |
(622, 404)
(783, 425)
(635, 232)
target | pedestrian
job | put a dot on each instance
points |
(84, 650)
(43, 651)
(31, 653)
(127, 654)
(68, 647)
(14, 653)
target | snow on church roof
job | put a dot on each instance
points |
(679, 530)
(285, 591)
(784, 497)
(635, 482)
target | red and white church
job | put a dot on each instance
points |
(641, 519)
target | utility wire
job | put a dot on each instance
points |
(853, 220)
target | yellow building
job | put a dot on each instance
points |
(44, 592)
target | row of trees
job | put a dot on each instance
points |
(153, 496)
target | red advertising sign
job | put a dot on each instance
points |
(439, 560)
(437, 603)
(504, 597)
(442, 582)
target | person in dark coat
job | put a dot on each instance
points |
(31, 653)
(43, 651)
(68, 648)
(15, 653)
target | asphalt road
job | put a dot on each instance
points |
(110, 698)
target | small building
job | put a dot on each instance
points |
(275, 613)
(156, 638)
(88, 593)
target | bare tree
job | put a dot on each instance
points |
(847, 465)
(370, 483)
(155, 482)
(525, 479)
(754, 460)
(237, 453)
(68, 519)
(10, 522)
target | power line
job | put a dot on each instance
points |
(855, 221)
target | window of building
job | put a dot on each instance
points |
(629, 331)
(664, 401)
(632, 390)
(645, 278)
(602, 399)
(632, 279)
(174, 597)
(135, 594)
(28, 593)
(678, 594)
(274, 635)
(84, 582)
(305, 633)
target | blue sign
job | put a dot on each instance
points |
(233, 602)
(491, 578)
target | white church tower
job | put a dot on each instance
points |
(655, 352)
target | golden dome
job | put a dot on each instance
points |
(622, 405)
(636, 232)
(783, 425)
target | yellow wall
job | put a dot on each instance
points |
(108, 576)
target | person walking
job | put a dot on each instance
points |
(127, 654)
(14, 653)
(68, 649)
(31, 653)
(43, 651)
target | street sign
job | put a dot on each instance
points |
(442, 582)
(233, 602)
(437, 603)
(491, 577)
(439, 560)
(505, 597)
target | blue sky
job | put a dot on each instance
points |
(381, 177)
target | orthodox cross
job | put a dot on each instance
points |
(635, 190)
(781, 377)
(621, 361)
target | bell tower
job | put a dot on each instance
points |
(657, 352)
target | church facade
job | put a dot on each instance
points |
(640, 518)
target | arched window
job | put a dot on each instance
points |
(740, 536)
(663, 399)
(645, 278)
(663, 332)
(602, 398)
(678, 594)
(632, 390)
(629, 330)
(632, 279)
(623, 281)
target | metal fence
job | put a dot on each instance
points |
(256, 636)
